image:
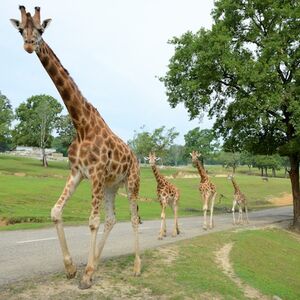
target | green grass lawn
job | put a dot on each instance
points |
(269, 260)
(28, 199)
(266, 259)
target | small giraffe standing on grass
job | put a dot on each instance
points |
(239, 200)
(206, 188)
(168, 194)
(96, 153)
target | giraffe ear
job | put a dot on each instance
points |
(46, 23)
(15, 23)
(157, 158)
(146, 158)
(191, 154)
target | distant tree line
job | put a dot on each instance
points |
(161, 141)
(39, 123)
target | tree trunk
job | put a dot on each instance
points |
(273, 172)
(262, 172)
(294, 176)
(266, 172)
(45, 162)
(233, 169)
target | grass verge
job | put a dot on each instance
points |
(29, 191)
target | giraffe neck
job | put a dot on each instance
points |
(158, 176)
(201, 171)
(82, 113)
(235, 186)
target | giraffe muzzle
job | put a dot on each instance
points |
(29, 47)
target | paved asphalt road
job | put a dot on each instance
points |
(29, 253)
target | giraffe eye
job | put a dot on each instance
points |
(40, 31)
(21, 30)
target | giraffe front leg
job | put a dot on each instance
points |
(211, 221)
(233, 211)
(94, 223)
(205, 206)
(163, 220)
(133, 185)
(56, 216)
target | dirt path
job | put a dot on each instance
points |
(222, 259)
(285, 199)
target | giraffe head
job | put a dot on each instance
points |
(195, 155)
(152, 158)
(31, 28)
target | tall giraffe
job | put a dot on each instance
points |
(206, 188)
(239, 199)
(96, 153)
(168, 194)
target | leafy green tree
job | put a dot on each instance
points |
(160, 141)
(265, 162)
(202, 141)
(66, 134)
(245, 73)
(37, 118)
(247, 158)
(230, 160)
(176, 156)
(6, 117)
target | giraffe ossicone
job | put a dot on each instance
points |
(96, 153)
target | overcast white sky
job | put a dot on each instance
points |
(113, 50)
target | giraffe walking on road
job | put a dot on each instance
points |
(168, 194)
(96, 153)
(207, 190)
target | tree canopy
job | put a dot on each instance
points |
(159, 141)
(201, 140)
(244, 72)
(66, 134)
(37, 117)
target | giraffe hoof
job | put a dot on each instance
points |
(85, 284)
(204, 228)
(160, 238)
(71, 272)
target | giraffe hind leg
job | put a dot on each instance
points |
(110, 219)
(94, 223)
(246, 212)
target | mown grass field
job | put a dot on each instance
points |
(266, 259)
(29, 191)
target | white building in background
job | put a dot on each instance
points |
(36, 152)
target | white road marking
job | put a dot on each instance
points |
(38, 240)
